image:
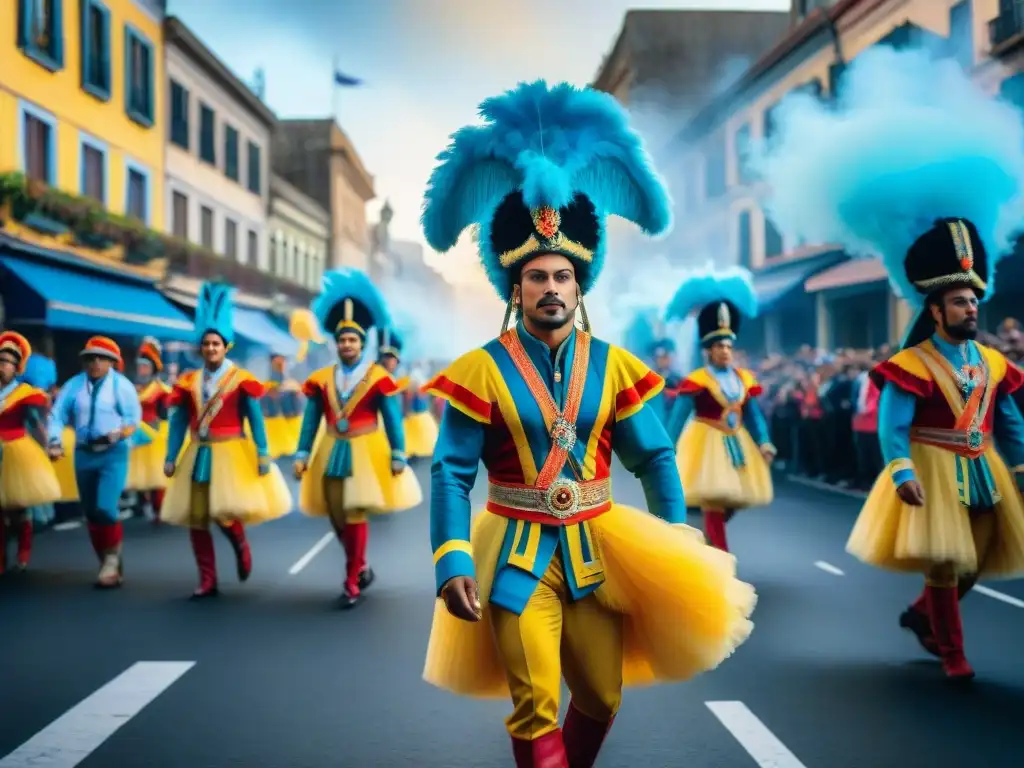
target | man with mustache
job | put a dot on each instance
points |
(556, 578)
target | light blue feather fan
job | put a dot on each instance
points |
(349, 300)
(911, 140)
(541, 175)
(215, 312)
(734, 284)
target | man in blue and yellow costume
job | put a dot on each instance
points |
(223, 476)
(27, 478)
(349, 471)
(103, 408)
(722, 446)
(570, 582)
(899, 173)
(418, 423)
(281, 409)
(146, 467)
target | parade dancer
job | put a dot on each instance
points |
(146, 463)
(420, 424)
(722, 446)
(662, 353)
(223, 476)
(279, 441)
(27, 478)
(569, 581)
(346, 474)
(903, 175)
(103, 408)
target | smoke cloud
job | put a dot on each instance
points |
(910, 139)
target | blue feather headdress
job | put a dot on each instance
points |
(349, 302)
(721, 299)
(541, 176)
(915, 165)
(215, 312)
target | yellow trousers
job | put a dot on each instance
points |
(983, 530)
(334, 494)
(199, 506)
(554, 637)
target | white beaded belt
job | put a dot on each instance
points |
(562, 500)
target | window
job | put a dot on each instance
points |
(961, 34)
(96, 49)
(230, 153)
(254, 248)
(743, 240)
(207, 134)
(138, 68)
(94, 170)
(835, 78)
(206, 227)
(179, 215)
(41, 32)
(769, 121)
(137, 195)
(179, 114)
(300, 265)
(715, 166)
(741, 144)
(772, 240)
(38, 145)
(255, 184)
(277, 249)
(230, 239)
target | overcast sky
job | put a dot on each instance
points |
(426, 65)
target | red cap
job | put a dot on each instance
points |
(17, 346)
(103, 347)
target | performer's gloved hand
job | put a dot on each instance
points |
(263, 465)
(55, 451)
(397, 467)
(768, 451)
(911, 493)
(461, 598)
(299, 468)
(169, 469)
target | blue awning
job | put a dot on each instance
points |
(255, 327)
(79, 299)
(775, 283)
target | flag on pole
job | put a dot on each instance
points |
(345, 81)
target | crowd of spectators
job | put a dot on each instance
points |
(822, 408)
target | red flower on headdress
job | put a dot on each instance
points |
(547, 221)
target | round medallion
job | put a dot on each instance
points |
(563, 499)
(974, 439)
(342, 425)
(563, 434)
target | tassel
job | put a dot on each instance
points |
(583, 312)
(508, 314)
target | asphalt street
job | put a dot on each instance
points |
(270, 675)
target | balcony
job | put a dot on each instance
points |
(201, 264)
(1006, 30)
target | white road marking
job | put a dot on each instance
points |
(760, 743)
(1008, 599)
(80, 731)
(828, 568)
(68, 526)
(307, 558)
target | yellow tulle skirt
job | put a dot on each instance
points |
(897, 537)
(237, 490)
(685, 611)
(292, 428)
(420, 434)
(710, 481)
(371, 486)
(64, 468)
(146, 463)
(27, 477)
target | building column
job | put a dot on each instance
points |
(772, 334)
(823, 321)
(900, 317)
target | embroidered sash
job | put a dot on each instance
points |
(561, 425)
(343, 411)
(208, 412)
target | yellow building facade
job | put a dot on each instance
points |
(81, 100)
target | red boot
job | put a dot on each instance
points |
(24, 541)
(206, 559)
(583, 737)
(546, 752)
(944, 608)
(354, 539)
(107, 539)
(235, 532)
(156, 499)
(714, 529)
(916, 618)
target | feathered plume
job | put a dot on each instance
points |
(734, 284)
(304, 326)
(348, 283)
(910, 140)
(551, 142)
(215, 313)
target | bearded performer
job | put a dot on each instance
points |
(27, 478)
(903, 175)
(103, 408)
(146, 463)
(569, 581)
(722, 446)
(349, 470)
(223, 476)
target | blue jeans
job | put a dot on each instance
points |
(101, 479)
